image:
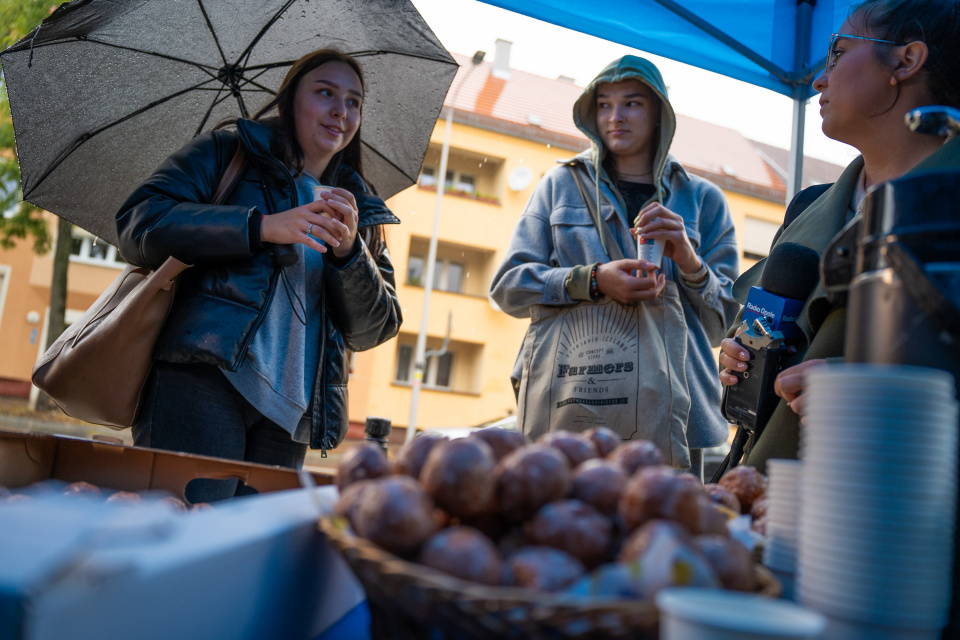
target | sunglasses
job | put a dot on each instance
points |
(832, 51)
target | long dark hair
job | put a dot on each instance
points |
(287, 147)
(936, 23)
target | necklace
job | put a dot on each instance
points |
(635, 175)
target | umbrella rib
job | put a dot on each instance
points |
(252, 81)
(87, 136)
(199, 65)
(356, 54)
(263, 31)
(387, 160)
(213, 33)
(260, 86)
(216, 100)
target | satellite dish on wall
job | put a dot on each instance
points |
(520, 178)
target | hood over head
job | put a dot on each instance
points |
(585, 111)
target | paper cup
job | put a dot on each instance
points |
(651, 250)
(319, 190)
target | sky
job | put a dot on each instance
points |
(465, 26)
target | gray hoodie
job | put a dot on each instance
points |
(555, 242)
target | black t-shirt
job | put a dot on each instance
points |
(634, 194)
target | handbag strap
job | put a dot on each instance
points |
(230, 176)
(613, 252)
(582, 188)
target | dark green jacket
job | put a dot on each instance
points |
(823, 325)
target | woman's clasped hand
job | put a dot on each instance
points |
(333, 219)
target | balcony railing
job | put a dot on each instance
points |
(462, 193)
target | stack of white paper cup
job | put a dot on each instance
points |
(878, 499)
(783, 517)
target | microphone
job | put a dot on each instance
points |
(790, 274)
(770, 320)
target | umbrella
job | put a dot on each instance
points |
(103, 90)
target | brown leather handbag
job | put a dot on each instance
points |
(97, 369)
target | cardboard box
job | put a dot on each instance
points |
(254, 567)
(28, 458)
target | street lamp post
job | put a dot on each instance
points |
(420, 359)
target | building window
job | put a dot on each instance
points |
(416, 269)
(757, 237)
(447, 275)
(439, 370)
(439, 373)
(404, 363)
(428, 177)
(462, 182)
(86, 247)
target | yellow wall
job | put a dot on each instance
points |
(742, 206)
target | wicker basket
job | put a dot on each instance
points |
(409, 600)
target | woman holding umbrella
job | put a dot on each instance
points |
(251, 361)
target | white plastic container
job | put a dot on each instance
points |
(687, 613)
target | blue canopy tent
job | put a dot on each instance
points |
(776, 44)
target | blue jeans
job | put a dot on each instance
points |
(193, 408)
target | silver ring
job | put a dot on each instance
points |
(309, 228)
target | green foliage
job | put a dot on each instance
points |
(18, 222)
(20, 17)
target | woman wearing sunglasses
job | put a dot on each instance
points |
(888, 58)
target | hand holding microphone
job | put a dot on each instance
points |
(753, 358)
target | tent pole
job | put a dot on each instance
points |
(795, 163)
(801, 52)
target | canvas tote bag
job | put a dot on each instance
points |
(609, 364)
(96, 370)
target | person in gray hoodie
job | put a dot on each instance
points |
(576, 246)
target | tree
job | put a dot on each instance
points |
(20, 220)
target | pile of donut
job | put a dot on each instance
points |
(89, 491)
(584, 514)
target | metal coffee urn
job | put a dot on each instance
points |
(903, 303)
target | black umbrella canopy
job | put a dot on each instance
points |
(104, 90)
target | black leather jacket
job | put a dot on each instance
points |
(224, 297)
